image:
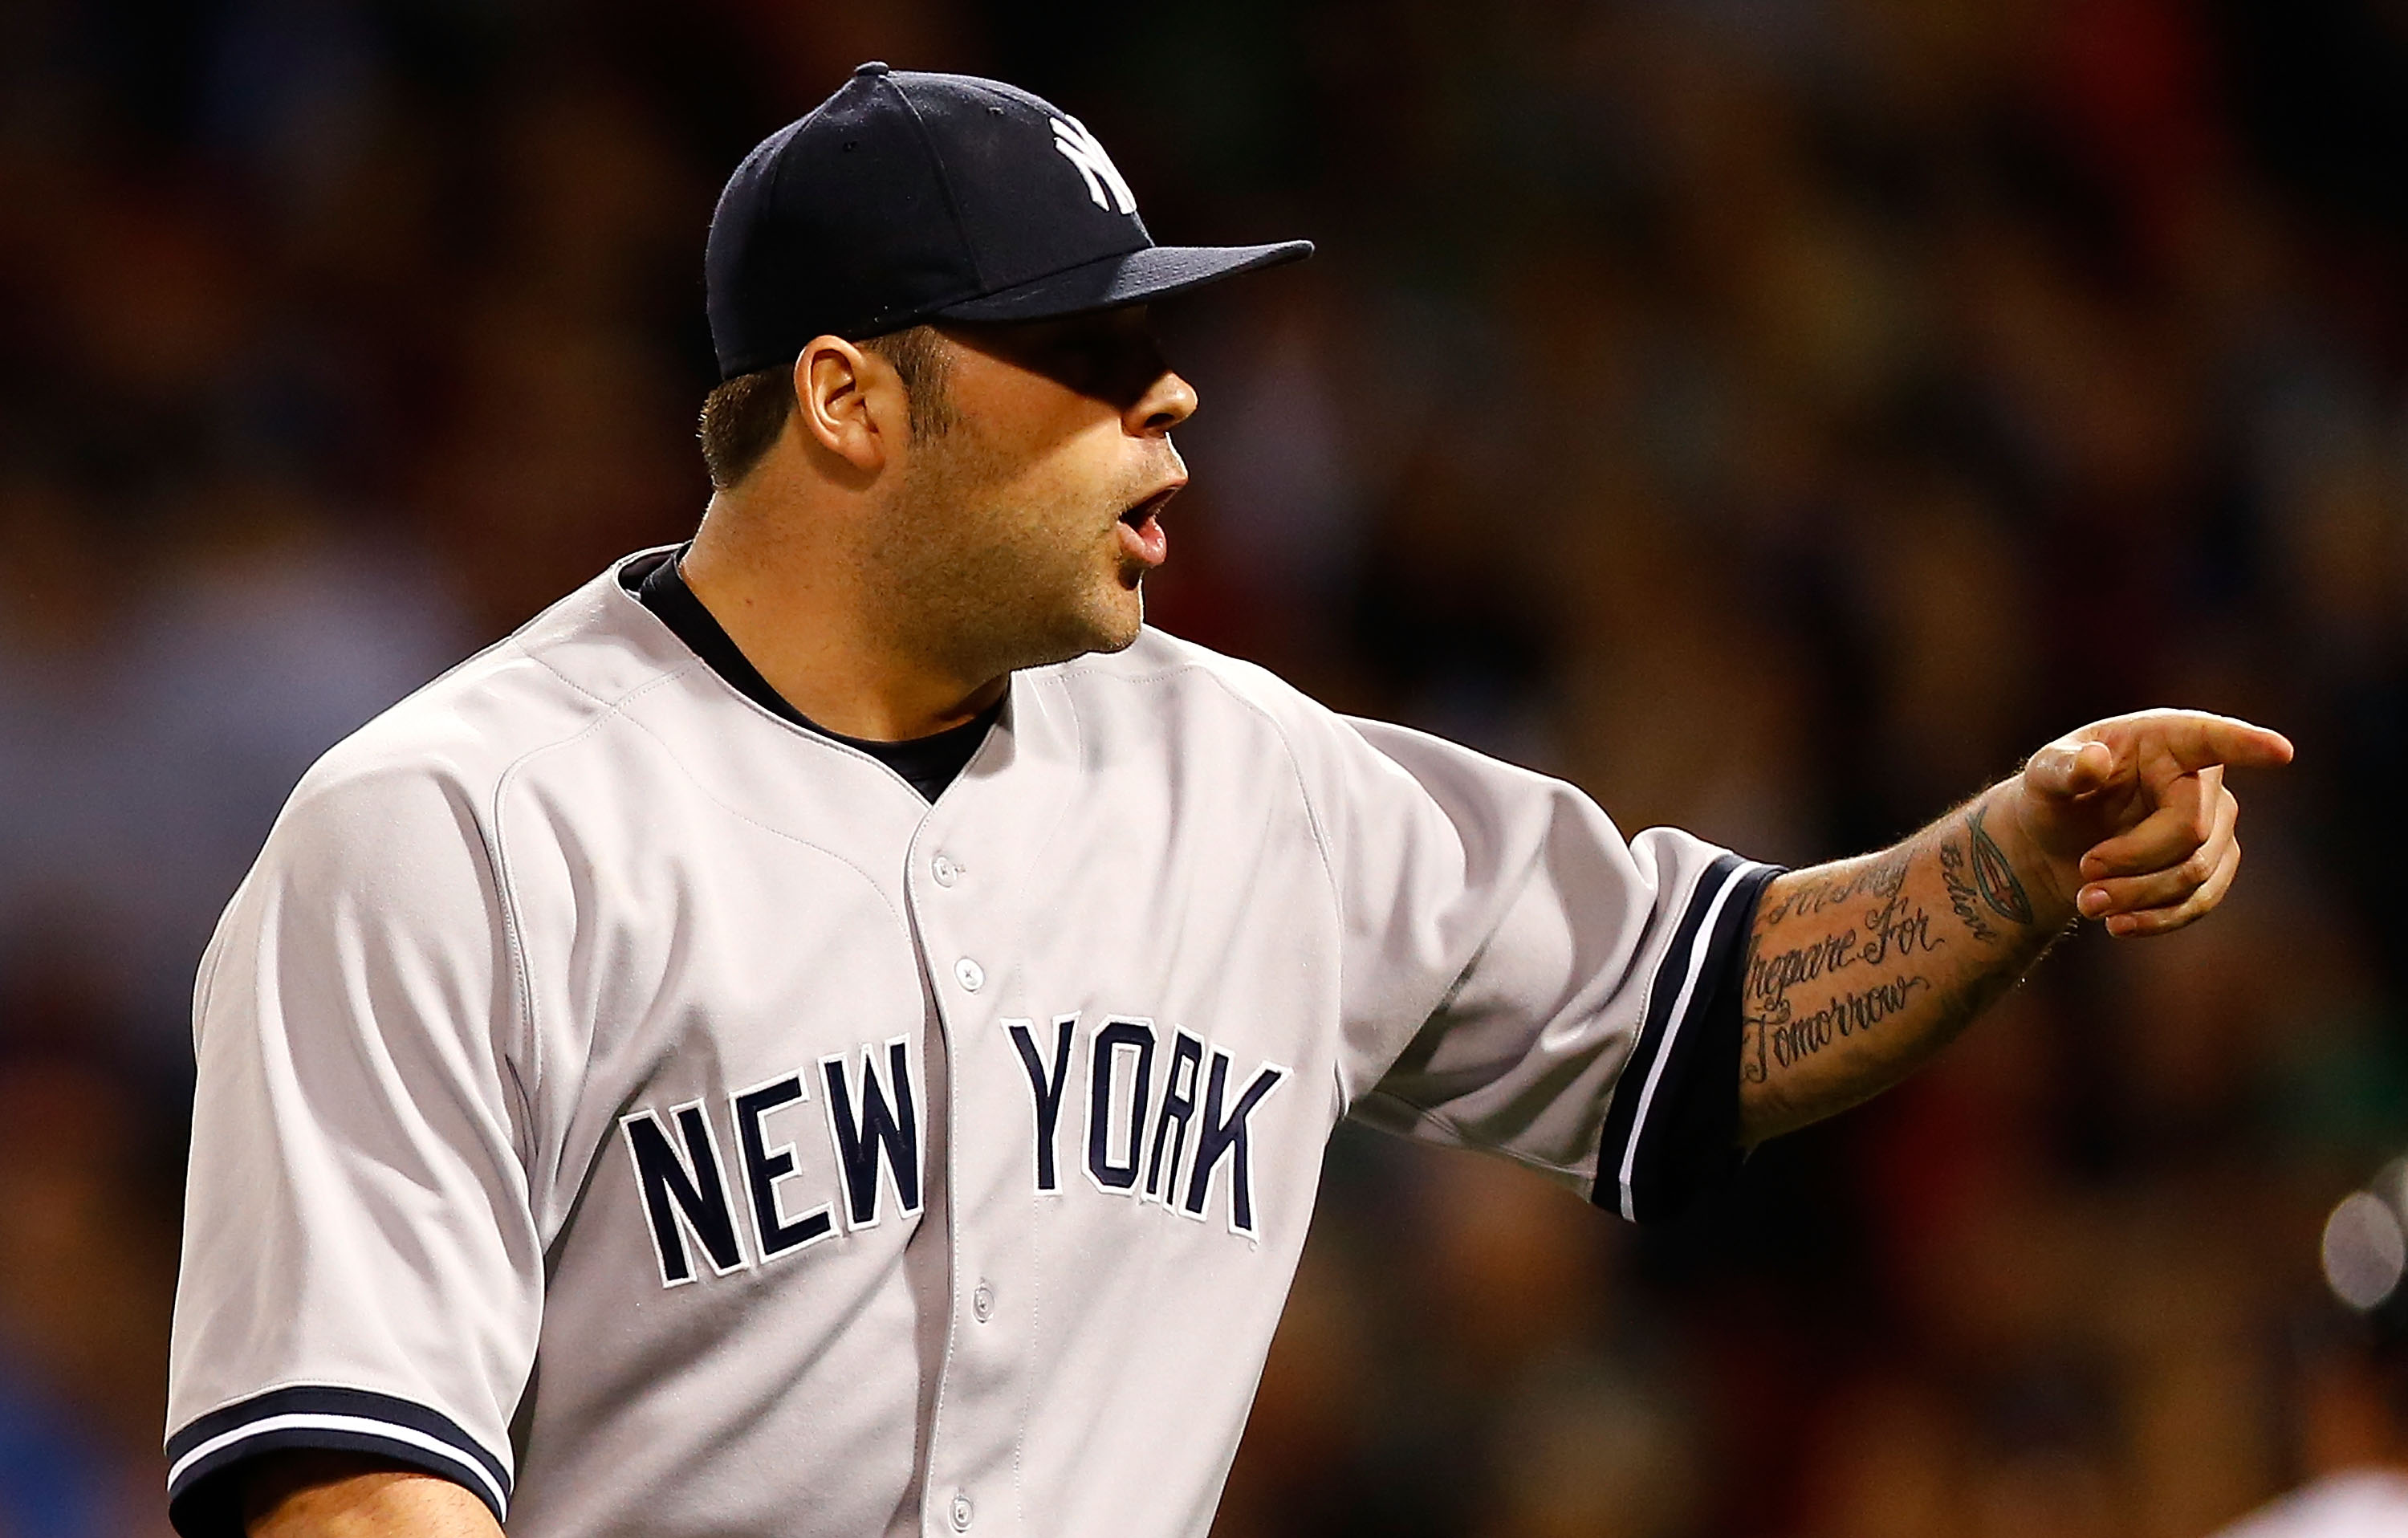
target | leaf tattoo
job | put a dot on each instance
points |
(1994, 877)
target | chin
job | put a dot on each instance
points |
(1128, 618)
(1115, 634)
(1111, 626)
(1114, 616)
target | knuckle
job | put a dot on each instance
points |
(2196, 870)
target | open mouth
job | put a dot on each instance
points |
(1141, 536)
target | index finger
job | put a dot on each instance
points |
(2197, 740)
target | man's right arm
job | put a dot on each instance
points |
(345, 1495)
(1860, 970)
(363, 1273)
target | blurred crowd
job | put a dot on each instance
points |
(1776, 416)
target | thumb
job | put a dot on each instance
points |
(2067, 770)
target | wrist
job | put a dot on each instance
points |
(2052, 883)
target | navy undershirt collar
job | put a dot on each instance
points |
(929, 763)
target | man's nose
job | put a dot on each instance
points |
(1168, 401)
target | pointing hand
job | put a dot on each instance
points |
(2129, 820)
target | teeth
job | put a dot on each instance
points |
(1135, 517)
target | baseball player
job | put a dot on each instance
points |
(832, 1029)
(2353, 1379)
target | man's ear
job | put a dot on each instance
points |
(851, 403)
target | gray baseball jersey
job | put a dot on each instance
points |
(2368, 1503)
(663, 1120)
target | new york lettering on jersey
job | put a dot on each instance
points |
(695, 1198)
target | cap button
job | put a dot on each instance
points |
(875, 66)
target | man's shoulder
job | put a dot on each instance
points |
(1217, 713)
(1178, 680)
(547, 684)
(1164, 675)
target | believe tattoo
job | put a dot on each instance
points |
(1961, 892)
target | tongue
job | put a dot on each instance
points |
(1143, 539)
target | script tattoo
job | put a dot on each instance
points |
(1897, 927)
(1787, 1044)
(1900, 927)
(1864, 966)
(1879, 878)
(1770, 978)
(1995, 878)
(1961, 893)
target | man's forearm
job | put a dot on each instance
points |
(342, 1495)
(1860, 971)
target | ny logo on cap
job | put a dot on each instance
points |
(1079, 148)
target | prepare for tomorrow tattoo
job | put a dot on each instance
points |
(1770, 978)
(1785, 1044)
(1889, 933)
(1899, 928)
(1896, 929)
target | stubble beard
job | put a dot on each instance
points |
(982, 578)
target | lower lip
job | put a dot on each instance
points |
(1145, 541)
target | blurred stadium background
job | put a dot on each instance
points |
(1774, 415)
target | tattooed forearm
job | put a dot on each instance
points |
(1894, 929)
(1785, 1044)
(1857, 972)
(1899, 928)
(1996, 877)
(1878, 878)
(1961, 893)
(1770, 978)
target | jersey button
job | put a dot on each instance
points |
(982, 1303)
(969, 974)
(945, 871)
(963, 1512)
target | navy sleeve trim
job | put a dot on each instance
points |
(1672, 1128)
(350, 1420)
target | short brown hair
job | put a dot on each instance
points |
(742, 416)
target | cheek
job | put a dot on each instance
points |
(1074, 461)
(1027, 530)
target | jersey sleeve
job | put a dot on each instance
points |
(361, 1271)
(1519, 977)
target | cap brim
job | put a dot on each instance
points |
(1154, 272)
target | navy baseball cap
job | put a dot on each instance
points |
(910, 198)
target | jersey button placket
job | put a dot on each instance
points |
(963, 1512)
(982, 1303)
